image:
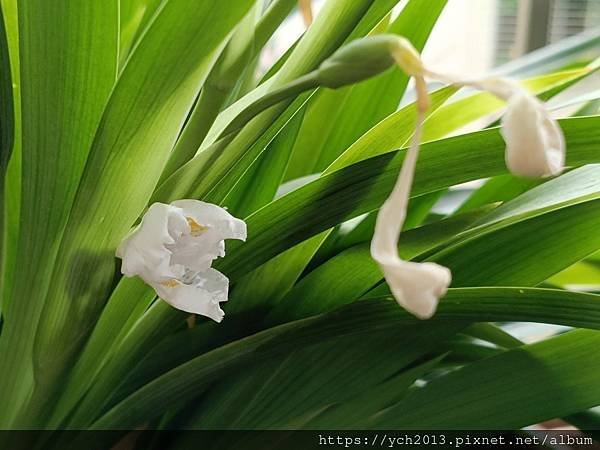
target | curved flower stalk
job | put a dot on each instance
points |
(173, 248)
(535, 147)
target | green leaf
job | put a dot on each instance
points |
(66, 76)
(192, 377)
(134, 16)
(291, 391)
(521, 381)
(140, 124)
(247, 195)
(526, 253)
(395, 130)
(363, 186)
(248, 39)
(497, 189)
(10, 159)
(365, 318)
(353, 272)
(338, 117)
(282, 272)
(125, 306)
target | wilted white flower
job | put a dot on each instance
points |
(535, 144)
(173, 248)
(535, 147)
(417, 287)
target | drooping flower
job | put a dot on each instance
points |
(417, 287)
(173, 248)
(535, 144)
(535, 147)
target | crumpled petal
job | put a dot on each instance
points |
(143, 251)
(215, 217)
(202, 296)
(417, 287)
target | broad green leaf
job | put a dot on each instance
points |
(66, 76)
(123, 357)
(282, 272)
(497, 189)
(372, 400)
(193, 377)
(248, 195)
(521, 381)
(391, 133)
(248, 39)
(10, 158)
(331, 27)
(526, 253)
(134, 15)
(353, 272)
(124, 307)
(583, 275)
(224, 164)
(289, 392)
(363, 186)
(338, 117)
(140, 124)
(360, 319)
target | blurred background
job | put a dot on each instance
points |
(477, 35)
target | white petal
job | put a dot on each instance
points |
(143, 251)
(203, 296)
(416, 286)
(535, 144)
(213, 216)
(198, 252)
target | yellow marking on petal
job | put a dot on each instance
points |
(171, 283)
(195, 228)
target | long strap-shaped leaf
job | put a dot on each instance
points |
(66, 75)
(536, 382)
(353, 271)
(362, 187)
(362, 317)
(138, 129)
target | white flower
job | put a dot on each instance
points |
(535, 147)
(535, 144)
(173, 248)
(417, 287)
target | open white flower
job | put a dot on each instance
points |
(173, 248)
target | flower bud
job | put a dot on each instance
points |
(359, 60)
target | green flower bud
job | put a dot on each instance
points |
(359, 60)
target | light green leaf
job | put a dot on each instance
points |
(338, 117)
(140, 124)
(66, 76)
(363, 186)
